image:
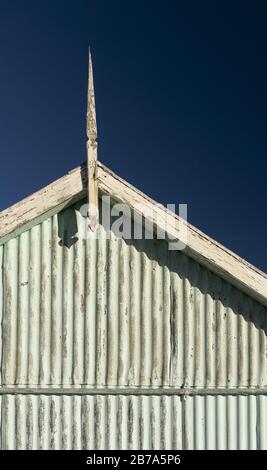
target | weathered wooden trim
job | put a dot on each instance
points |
(43, 203)
(134, 391)
(72, 186)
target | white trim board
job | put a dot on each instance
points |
(208, 252)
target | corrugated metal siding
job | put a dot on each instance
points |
(129, 313)
(134, 422)
(78, 311)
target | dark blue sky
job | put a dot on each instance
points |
(181, 90)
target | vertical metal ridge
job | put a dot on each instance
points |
(178, 323)
(45, 303)
(167, 317)
(85, 413)
(186, 325)
(90, 313)
(34, 305)
(176, 335)
(123, 314)
(145, 372)
(22, 318)
(229, 344)
(101, 309)
(198, 331)
(209, 326)
(112, 312)
(134, 319)
(77, 313)
(220, 334)
(157, 327)
(9, 330)
(56, 306)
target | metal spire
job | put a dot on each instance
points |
(91, 131)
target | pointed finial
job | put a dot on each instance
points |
(91, 113)
(91, 130)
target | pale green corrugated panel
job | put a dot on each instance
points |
(134, 422)
(128, 313)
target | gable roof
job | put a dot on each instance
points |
(199, 246)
